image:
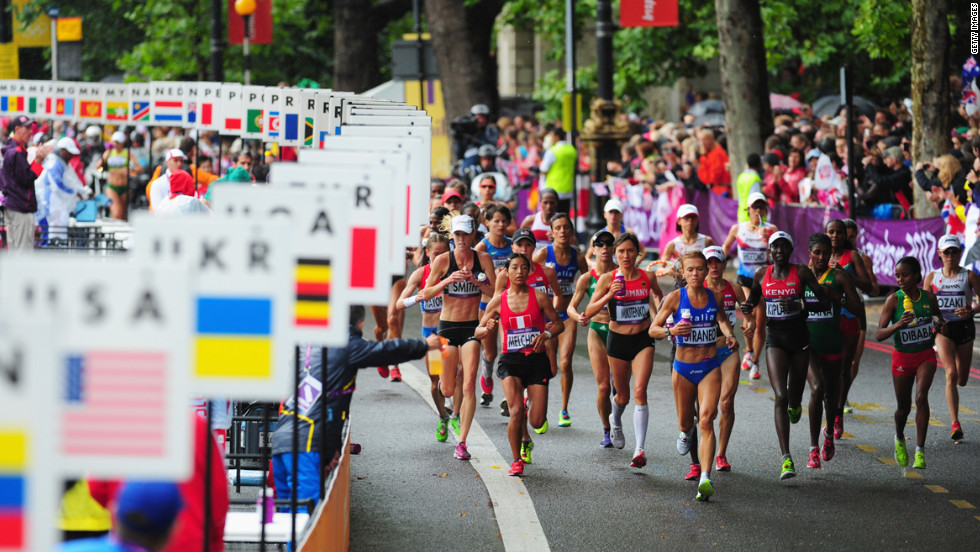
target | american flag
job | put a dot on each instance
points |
(114, 404)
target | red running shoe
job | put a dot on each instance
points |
(838, 427)
(396, 374)
(516, 468)
(695, 473)
(639, 460)
(828, 446)
(814, 461)
(721, 464)
(383, 371)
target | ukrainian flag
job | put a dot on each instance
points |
(234, 337)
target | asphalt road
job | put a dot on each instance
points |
(408, 493)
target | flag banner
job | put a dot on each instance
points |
(648, 13)
(61, 101)
(118, 392)
(208, 104)
(253, 106)
(326, 104)
(320, 225)
(241, 299)
(418, 143)
(168, 100)
(191, 105)
(140, 95)
(307, 112)
(117, 103)
(230, 117)
(271, 109)
(369, 206)
(91, 103)
(290, 107)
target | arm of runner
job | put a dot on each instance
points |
(552, 277)
(755, 294)
(491, 318)
(581, 287)
(669, 306)
(937, 316)
(604, 289)
(886, 330)
(852, 297)
(434, 286)
(555, 325)
(540, 256)
(487, 263)
(726, 326)
(861, 278)
(656, 295)
(528, 221)
(748, 323)
(413, 283)
(875, 290)
(730, 239)
(708, 241)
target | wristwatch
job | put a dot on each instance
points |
(667, 331)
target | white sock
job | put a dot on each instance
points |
(920, 449)
(704, 477)
(641, 416)
(617, 413)
(487, 366)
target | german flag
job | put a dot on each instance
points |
(312, 293)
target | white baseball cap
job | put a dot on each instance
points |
(614, 205)
(780, 235)
(714, 252)
(462, 223)
(119, 136)
(948, 241)
(68, 145)
(756, 197)
(175, 153)
(686, 210)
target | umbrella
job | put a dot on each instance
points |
(830, 106)
(705, 107)
(710, 119)
(782, 103)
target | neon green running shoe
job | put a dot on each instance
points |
(442, 431)
(794, 413)
(848, 409)
(526, 448)
(789, 470)
(920, 460)
(705, 490)
(564, 420)
(901, 455)
(454, 423)
(543, 429)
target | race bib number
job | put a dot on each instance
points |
(920, 333)
(500, 262)
(949, 303)
(434, 304)
(567, 288)
(815, 315)
(775, 310)
(701, 337)
(463, 289)
(753, 256)
(521, 339)
(632, 312)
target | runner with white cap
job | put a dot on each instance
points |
(159, 189)
(540, 223)
(612, 212)
(688, 224)
(461, 275)
(752, 240)
(119, 165)
(954, 288)
(788, 339)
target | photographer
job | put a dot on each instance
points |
(470, 132)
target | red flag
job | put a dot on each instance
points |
(648, 13)
(260, 23)
(364, 243)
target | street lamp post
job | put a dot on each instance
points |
(246, 8)
(54, 13)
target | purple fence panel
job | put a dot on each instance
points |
(887, 241)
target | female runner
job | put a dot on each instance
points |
(787, 337)
(602, 244)
(522, 312)
(727, 359)
(567, 262)
(695, 375)
(752, 238)
(954, 288)
(826, 345)
(842, 254)
(538, 223)
(909, 316)
(629, 294)
(497, 245)
(437, 245)
(613, 214)
(458, 272)
(120, 165)
(852, 236)
(688, 224)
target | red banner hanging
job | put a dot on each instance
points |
(260, 23)
(648, 13)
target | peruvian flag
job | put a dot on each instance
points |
(520, 322)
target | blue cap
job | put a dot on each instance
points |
(148, 507)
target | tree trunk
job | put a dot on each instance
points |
(930, 88)
(461, 40)
(357, 50)
(744, 85)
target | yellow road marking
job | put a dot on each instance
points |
(935, 422)
(859, 417)
(936, 488)
(913, 474)
(963, 504)
(966, 410)
(760, 390)
(867, 448)
(847, 435)
(888, 461)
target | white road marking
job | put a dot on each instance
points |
(517, 520)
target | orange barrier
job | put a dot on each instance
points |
(330, 526)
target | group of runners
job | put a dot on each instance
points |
(513, 299)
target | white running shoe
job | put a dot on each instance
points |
(616, 433)
(683, 443)
(754, 373)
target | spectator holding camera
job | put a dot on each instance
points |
(472, 131)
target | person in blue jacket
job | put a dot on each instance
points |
(338, 385)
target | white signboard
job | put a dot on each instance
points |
(118, 388)
(141, 105)
(230, 115)
(402, 120)
(203, 105)
(91, 103)
(320, 231)
(240, 300)
(290, 117)
(117, 103)
(307, 115)
(324, 122)
(168, 103)
(253, 111)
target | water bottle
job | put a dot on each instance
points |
(621, 294)
(685, 318)
(266, 503)
(907, 304)
(670, 324)
(437, 356)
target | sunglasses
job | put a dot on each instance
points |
(602, 243)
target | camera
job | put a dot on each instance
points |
(463, 126)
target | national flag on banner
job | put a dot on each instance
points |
(234, 337)
(206, 113)
(11, 104)
(312, 292)
(233, 123)
(13, 463)
(520, 322)
(167, 111)
(117, 111)
(289, 126)
(114, 403)
(274, 124)
(253, 120)
(64, 107)
(33, 106)
(364, 245)
(308, 132)
(90, 109)
(141, 111)
(192, 112)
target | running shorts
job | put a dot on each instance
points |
(723, 353)
(694, 372)
(626, 346)
(961, 332)
(428, 330)
(483, 306)
(531, 369)
(849, 327)
(458, 333)
(828, 357)
(601, 329)
(793, 337)
(744, 281)
(907, 364)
